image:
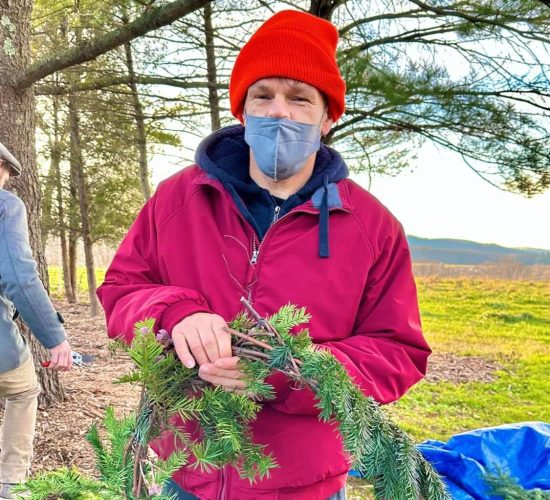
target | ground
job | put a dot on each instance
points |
(61, 429)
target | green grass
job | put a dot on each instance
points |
(506, 322)
(57, 289)
(502, 321)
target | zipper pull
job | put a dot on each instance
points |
(254, 257)
(276, 213)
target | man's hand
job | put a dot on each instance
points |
(225, 373)
(61, 357)
(201, 337)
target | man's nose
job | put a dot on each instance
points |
(278, 108)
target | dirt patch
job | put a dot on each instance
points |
(61, 429)
(460, 369)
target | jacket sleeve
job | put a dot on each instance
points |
(19, 278)
(386, 353)
(133, 289)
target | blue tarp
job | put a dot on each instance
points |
(521, 451)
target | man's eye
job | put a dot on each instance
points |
(300, 99)
(261, 96)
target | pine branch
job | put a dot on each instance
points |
(378, 448)
(503, 486)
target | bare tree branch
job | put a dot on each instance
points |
(151, 20)
(121, 80)
(476, 19)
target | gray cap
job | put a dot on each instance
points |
(9, 158)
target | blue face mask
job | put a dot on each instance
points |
(281, 146)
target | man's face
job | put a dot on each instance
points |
(4, 173)
(286, 98)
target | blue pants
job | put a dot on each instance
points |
(172, 488)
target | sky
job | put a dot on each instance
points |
(438, 197)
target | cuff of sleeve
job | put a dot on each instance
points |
(51, 340)
(176, 312)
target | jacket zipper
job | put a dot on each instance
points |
(255, 251)
(254, 258)
(276, 220)
(276, 214)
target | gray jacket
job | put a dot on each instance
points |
(21, 288)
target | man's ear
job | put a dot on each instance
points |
(326, 125)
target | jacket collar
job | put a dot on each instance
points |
(312, 205)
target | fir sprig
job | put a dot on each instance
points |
(66, 484)
(504, 487)
(379, 449)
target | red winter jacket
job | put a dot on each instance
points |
(191, 250)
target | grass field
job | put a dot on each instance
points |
(506, 323)
(56, 281)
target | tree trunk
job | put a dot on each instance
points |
(84, 203)
(67, 281)
(70, 292)
(325, 8)
(74, 230)
(47, 202)
(141, 139)
(73, 242)
(17, 129)
(213, 98)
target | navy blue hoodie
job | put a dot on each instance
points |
(224, 155)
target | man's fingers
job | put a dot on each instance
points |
(55, 362)
(195, 346)
(226, 383)
(228, 363)
(59, 361)
(213, 370)
(205, 338)
(224, 338)
(209, 344)
(183, 352)
(61, 357)
(67, 365)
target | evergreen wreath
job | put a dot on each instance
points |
(378, 449)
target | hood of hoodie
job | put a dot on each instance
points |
(224, 155)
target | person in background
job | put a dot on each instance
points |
(268, 213)
(21, 292)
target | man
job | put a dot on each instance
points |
(20, 286)
(268, 213)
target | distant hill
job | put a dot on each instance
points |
(451, 251)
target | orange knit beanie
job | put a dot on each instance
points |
(294, 45)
